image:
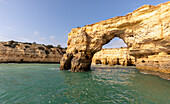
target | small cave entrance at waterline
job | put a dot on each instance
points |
(114, 53)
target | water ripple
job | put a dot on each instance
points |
(43, 84)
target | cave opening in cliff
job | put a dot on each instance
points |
(115, 43)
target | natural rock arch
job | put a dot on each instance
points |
(146, 31)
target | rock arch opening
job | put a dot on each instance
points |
(114, 53)
(115, 43)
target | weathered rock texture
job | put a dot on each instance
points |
(16, 52)
(146, 31)
(113, 56)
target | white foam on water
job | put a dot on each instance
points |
(53, 68)
(143, 73)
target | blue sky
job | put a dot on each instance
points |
(50, 21)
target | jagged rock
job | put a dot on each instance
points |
(17, 52)
(146, 31)
(66, 61)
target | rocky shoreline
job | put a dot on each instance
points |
(17, 52)
(114, 56)
(157, 73)
(120, 56)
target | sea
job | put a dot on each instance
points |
(46, 84)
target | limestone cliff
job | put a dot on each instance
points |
(17, 52)
(146, 31)
(113, 56)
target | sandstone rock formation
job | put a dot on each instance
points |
(17, 52)
(113, 56)
(146, 31)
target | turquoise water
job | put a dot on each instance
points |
(45, 83)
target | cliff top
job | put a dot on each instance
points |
(13, 44)
(25, 46)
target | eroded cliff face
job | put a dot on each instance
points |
(113, 56)
(146, 31)
(17, 52)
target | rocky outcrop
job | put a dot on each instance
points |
(146, 31)
(17, 52)
(113, 56)
(155, 65)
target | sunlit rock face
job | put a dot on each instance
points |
(146, 31)
(113, 56)
(17, 52)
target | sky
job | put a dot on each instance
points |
(50, 21)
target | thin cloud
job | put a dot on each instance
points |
(36, 33)
(64, 44)
(42, 39)
(23, 39)
(3, 38)
(52, 37)
(8, 38)
(9, 28)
